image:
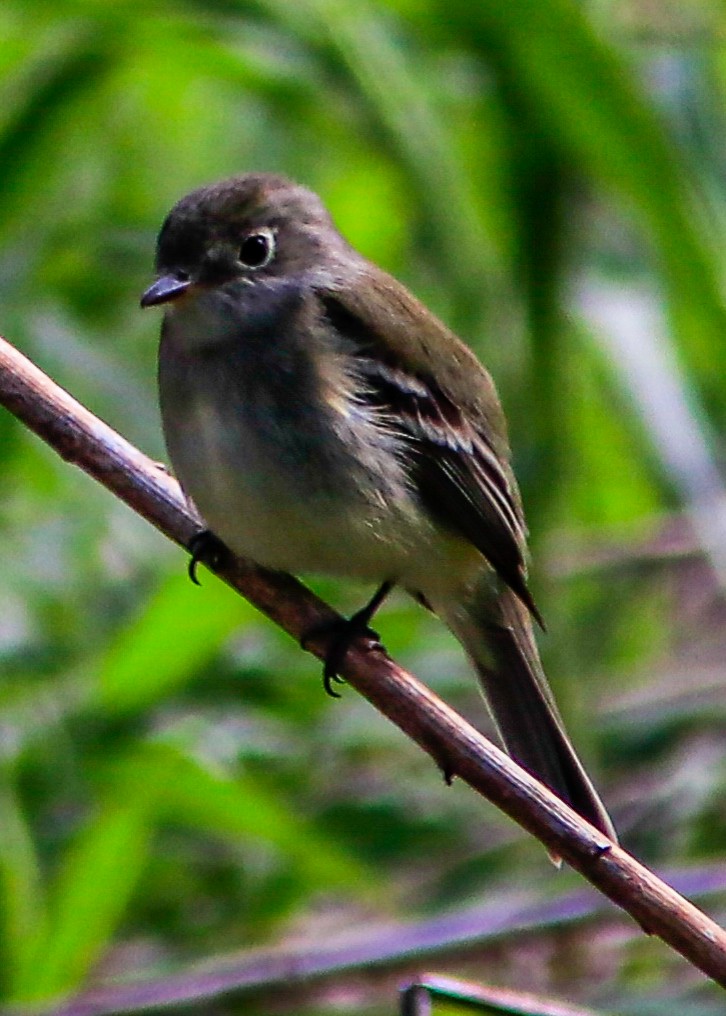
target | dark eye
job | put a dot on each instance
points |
(257, 249)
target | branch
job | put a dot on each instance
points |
(296, 974)
(454, 744)
(417, 998)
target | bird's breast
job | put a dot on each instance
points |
(295, 477)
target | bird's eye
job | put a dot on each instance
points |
(257, 249)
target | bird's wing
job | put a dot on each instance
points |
(461, 479)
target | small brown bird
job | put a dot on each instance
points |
(323, 420)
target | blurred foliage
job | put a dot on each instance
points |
(173, 781)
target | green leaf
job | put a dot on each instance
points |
(242, 808)
(22, 904)
(91, 891)
(582, 94)
(179, 630)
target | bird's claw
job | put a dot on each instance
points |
(206, 548)
(342, 633)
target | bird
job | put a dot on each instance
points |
(322, 420)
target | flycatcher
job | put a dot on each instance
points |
(323, 420)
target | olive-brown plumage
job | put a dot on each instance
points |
(323, 420)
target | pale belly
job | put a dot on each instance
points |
(369, 528)
(287, 487)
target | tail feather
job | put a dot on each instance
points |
(499, 639)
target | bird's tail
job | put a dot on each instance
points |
(497, 635)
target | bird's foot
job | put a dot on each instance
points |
(342, 633)
(205, 548)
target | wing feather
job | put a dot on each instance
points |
(459, 476)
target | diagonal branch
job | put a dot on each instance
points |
(293, 975)
(455, 745)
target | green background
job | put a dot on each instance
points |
(549, 177)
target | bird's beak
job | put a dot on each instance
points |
(164, 290)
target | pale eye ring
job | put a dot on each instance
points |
(257, 249)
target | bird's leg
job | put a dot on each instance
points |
(343, 634)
